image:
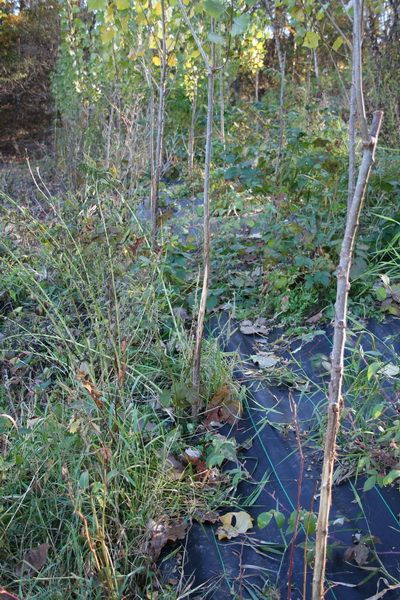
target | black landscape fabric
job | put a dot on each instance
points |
(256, 565)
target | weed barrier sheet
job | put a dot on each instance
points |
(256, 565)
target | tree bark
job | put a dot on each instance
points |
(206, 239)
(155, 187)
(335, 400)
(352, 140)
(192, 130)
(222, 105)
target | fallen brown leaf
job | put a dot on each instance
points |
(209, 516)
(223, 407)
(359, 553)
(161, 532)
(315, 318)
(175, 468)
(34, 560)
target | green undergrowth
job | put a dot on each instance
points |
(95, 399)
(278, 227)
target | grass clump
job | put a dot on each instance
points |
(95, 398)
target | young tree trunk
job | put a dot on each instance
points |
(222, 105)
(272, 12)
(335, 400)
(155, 186)
(257, 86)
(207, 237)
(316, 65)
(210, 67)
(192, 130)
(352, 139)
(109, 136)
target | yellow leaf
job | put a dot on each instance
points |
(156, 60)
(107, 33)
(170, 43)
(234, 524)
(158, 9)
(172, 60)
(125, 24)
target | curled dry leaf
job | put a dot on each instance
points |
(315, 318)
(208, 477)
(224, 407)
(83, 377)
(209, 516)
(175, 468)
(265, 360)
(234, 524)
(192, 456)
(161, 532)
(34, 560)
(359, 553)
(258, 327)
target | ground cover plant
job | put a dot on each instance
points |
(164, 165)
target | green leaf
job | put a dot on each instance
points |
(84, 480)
(381, 293)
(378, 410)
(311, 40)
(107, 33)
(240, 24)
(373, 368)
(97, 4)
(370, 483)
(215, 38)
(279, 519)
(337, 44)
(214, 8)
(392, 476)
(264, 519)
(123, 4)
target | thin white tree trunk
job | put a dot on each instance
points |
(335, 400)
(257, 86)
(272, 12)
(316, 65)
(222, 105)
(192, 130)
(210, 67)
(109, 135)
(207, 237)
(352, 140)
(155, 187)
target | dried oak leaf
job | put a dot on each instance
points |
(359, 553)
(161, 532)
(224, 407)
(234, 524)
(34, 560)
